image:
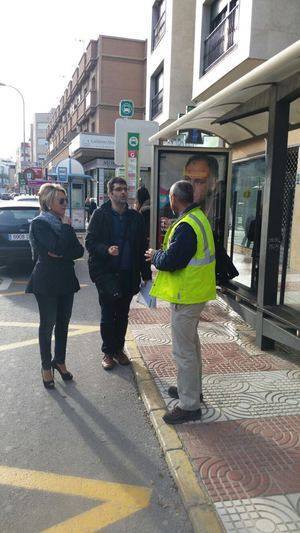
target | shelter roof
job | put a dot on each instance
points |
(240, 111)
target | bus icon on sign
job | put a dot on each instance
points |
(133, 141)
(126, 108)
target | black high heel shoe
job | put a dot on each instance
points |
(48, 384)
(66, 376)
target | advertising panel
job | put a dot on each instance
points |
(207, 171)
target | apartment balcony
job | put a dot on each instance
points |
(75, 78)
(70, 88)
(221, 39)
(61, 103)
(74, 119)
(81, 68)
(159, 30)
(91, 54)
(90, 102)
(157, 104)
(81, 110)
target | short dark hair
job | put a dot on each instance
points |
(210, 160)
(113, 181)
(183, 191)
(142, 194)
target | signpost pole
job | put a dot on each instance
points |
(132, 164)
(70, 188)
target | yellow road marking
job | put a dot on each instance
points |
(12, 293)
(121, 500)
(76, 329)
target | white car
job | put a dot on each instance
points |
(27, 198)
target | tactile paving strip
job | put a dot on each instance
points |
(243, 396)
(276, 514)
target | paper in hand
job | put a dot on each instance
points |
(144, 296)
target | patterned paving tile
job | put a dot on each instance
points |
(240, 396)
(246, 459)
(218, 358)
(149, 316)
(151, 334)
(276, 514)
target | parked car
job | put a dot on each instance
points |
(27, 198)
(15, 218)
(6, 196)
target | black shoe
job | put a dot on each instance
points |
(66, 376)
(173, 392)
(179, 416)
(48, 384)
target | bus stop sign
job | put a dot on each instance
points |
(126, 108)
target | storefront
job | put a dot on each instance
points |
(96, 154)
(262, 207)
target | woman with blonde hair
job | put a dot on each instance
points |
(53, 281)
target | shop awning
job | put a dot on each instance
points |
(225, 114)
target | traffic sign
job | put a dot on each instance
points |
(126, 108)
(62, 174)
(133, 141)
(132, 163)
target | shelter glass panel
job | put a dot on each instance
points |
(248, 179)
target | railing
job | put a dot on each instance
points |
(223, 37)
(157, 104)
(159, 30)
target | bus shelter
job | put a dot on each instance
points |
(263, 104)
(70, 174)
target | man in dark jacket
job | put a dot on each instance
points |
(116, 243)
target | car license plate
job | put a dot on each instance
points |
(18, 236)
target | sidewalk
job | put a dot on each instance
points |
(245, 453)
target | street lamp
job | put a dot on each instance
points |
(23, 102)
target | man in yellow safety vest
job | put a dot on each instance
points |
(186, 279)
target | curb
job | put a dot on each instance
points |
(195, 499)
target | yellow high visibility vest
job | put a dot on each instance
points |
(196, 283)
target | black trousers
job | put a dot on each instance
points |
(55, 311)
(113, 323)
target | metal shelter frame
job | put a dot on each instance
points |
(263, 103)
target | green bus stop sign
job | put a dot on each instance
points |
(126, 108)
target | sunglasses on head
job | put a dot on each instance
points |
(63, 201)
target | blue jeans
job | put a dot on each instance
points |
(54, 311)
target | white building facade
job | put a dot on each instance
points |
(39, 143)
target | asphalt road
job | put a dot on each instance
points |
(53, 443)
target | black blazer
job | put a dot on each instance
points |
(54, 276)
(100, 237)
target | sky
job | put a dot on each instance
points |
(41, 44)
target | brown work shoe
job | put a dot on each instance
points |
(179, 416)
(108, 362)
(122, 358)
